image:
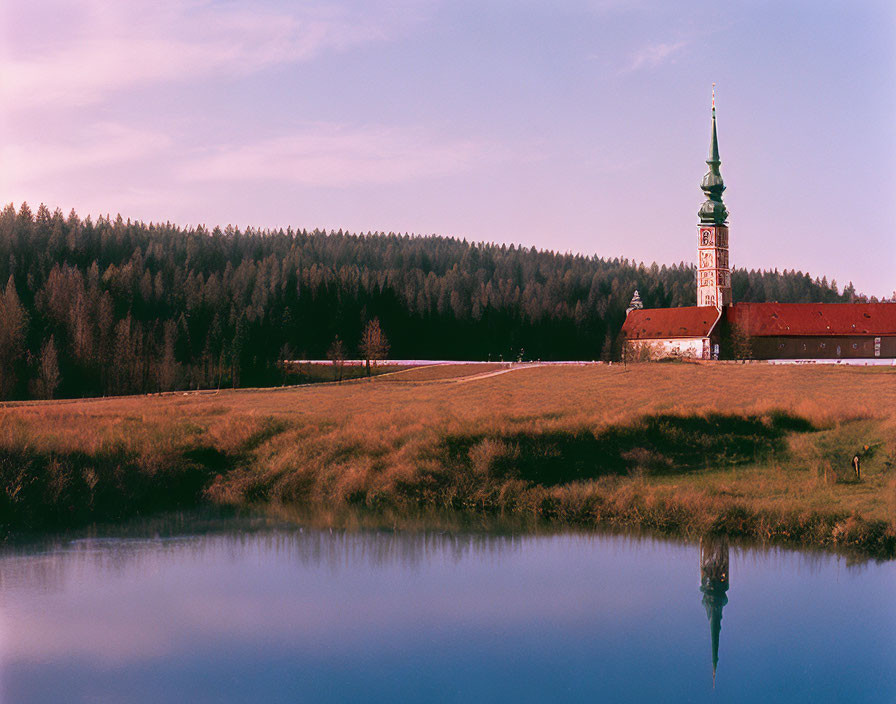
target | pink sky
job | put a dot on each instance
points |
(581, 127)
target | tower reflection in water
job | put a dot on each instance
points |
(714, 585)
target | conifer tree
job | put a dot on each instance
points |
(48, 370)
(13, 327)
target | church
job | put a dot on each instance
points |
(717, 327)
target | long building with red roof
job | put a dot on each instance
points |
(719, 328)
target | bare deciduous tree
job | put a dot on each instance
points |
(374, 344)
(284, 360)
(336, 354)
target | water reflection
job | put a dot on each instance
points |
(714, 585)
(255, 609)
(51, 566)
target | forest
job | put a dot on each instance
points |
(113, 306)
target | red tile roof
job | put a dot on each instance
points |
(783, 319)
(648, 324)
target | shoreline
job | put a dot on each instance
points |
(873, 545)
(625, 505)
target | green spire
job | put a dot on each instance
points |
(714, 584)
(713, 210)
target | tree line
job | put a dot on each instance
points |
(112, 306)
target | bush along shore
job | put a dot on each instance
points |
(770, 475)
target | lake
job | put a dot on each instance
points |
(242, 609)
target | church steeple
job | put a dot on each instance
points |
(713, 210)
(713, 273)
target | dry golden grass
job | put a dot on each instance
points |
(491, 444)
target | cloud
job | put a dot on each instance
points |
(334, 155)
(317, 155)
(655, 55)
(99, 145)
(107, 47)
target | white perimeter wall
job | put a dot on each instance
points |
(430, 362)
(851, 361)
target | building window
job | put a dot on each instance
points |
(822, 345)
(855, 345)
(780, 345)
(804, 347)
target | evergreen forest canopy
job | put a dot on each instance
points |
(117, 307)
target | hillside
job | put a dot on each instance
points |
(115, 307)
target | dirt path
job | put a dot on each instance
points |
(486, 375)
(388, 375)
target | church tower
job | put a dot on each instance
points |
(713, 274)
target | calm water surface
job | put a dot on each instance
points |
(281, 613)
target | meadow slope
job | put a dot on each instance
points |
(753, 450)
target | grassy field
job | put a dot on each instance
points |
(754, 450)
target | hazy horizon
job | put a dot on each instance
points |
(580, 128)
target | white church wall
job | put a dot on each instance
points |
(678, 347)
